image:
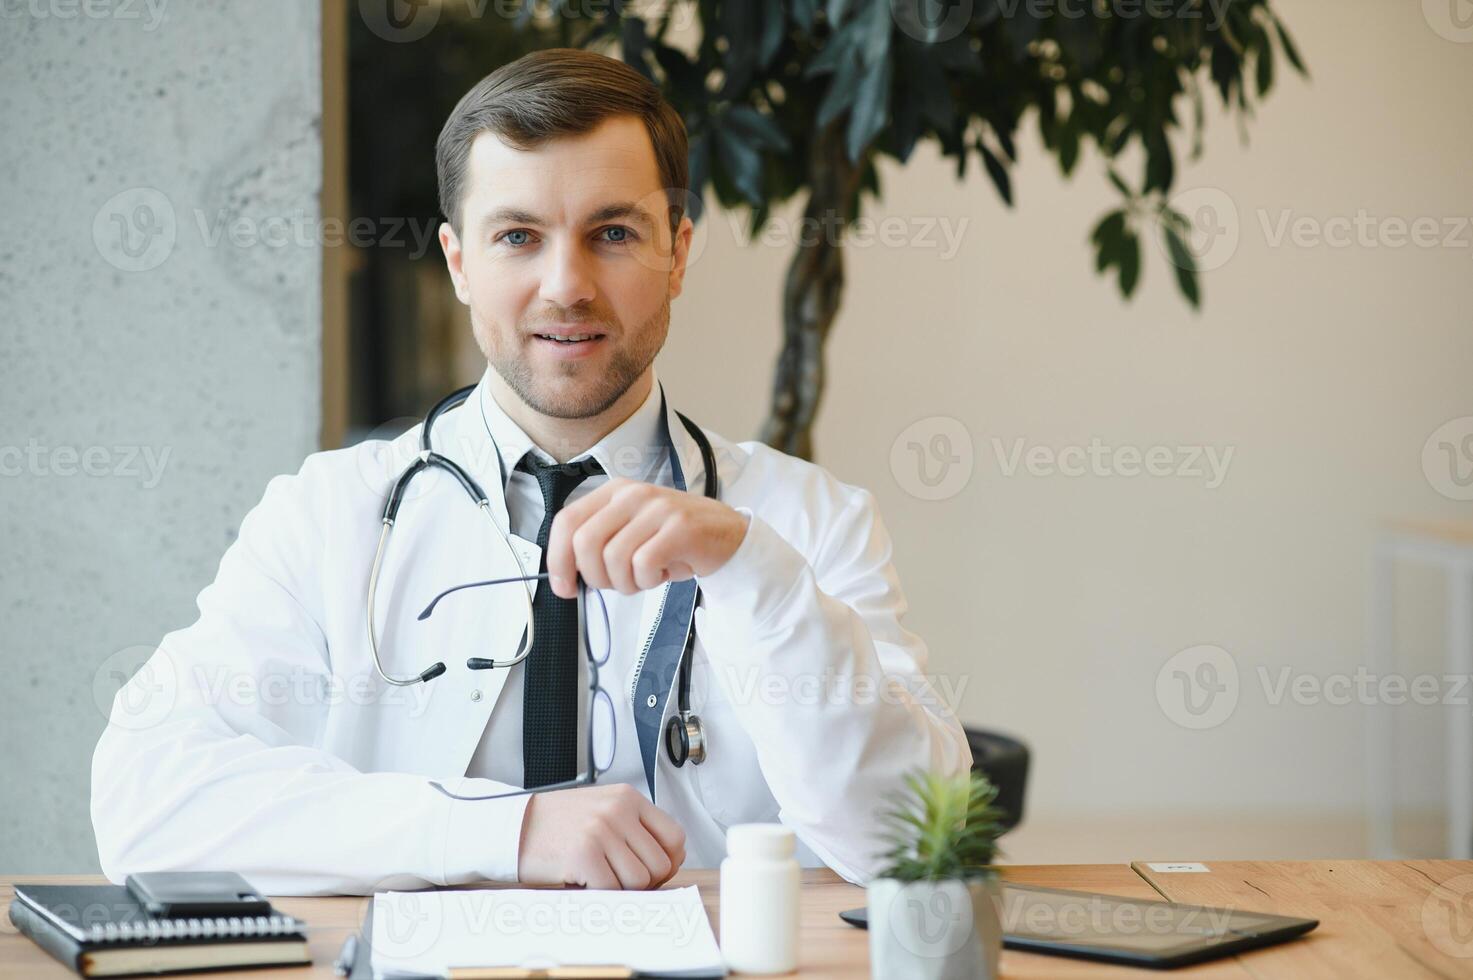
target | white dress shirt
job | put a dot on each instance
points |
(628, 449)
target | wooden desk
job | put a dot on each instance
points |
(1377, 918)
(1372, 916)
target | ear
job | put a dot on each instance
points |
(680, 254)
(450, 245)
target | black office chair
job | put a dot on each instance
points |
(1004, 761)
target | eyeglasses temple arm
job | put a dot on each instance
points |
(476, 585)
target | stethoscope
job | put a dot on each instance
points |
(684, 736)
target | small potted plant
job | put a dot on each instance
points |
(934, 911)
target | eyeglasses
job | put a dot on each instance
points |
(593, 617)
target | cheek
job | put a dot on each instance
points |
(499, 294)
(635, 296)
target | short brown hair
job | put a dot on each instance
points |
(559, 92)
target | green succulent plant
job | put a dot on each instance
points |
(941, 827)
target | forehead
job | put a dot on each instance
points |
(565, 176)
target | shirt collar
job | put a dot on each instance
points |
(634, 449)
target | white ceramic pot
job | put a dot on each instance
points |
(935, 930)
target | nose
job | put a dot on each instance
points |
(566, 276)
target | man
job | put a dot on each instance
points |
(263, 739)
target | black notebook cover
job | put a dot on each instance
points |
(92, 928)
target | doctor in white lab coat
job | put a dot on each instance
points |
(261, 739)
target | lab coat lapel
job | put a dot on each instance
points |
(662, 659)
(695, 475)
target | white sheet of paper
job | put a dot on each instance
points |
(426, 933)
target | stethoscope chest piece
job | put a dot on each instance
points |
(685, 739)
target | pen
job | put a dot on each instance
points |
(343, 965)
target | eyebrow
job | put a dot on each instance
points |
(627, 210)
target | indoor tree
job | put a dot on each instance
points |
(802, 97)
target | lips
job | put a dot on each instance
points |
(573, 341)
(568, 333)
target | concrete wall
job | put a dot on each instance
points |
(159, 349)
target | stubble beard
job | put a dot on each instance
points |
(599, 391)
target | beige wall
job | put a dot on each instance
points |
(1325, 369)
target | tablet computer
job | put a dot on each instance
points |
(1134, 931)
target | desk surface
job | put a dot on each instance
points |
(1377, 919)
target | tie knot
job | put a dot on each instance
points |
(557, 480)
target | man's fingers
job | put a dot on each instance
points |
(598, 874)
(618, 555)
(576, 541)
(562, 565)
(633, 873)
(651, 854)
(665, 830)
(590, 537)
(659, 553)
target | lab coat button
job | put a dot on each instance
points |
(650, 701)
(475, 695)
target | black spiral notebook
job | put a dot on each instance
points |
(103, 931)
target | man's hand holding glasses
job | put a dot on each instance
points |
(577, 832)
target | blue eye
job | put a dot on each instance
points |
(509, 240)
(622, 235)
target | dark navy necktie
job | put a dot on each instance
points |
(550, 702)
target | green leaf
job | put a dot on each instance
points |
(742, 163)
(838, 48)
(1265, 69)
(1160, 167)
(758, 129)
(867, 117)
(876, 29)
(634, 43)
(803, 12)
(1109, 240)
(773, 24)
(841, 93)
(997, 172)
(1290, 51)
(739, 25)
(1181, 259)
(1225, 69)
(1130, 263)
(1005, 138)
(1110, 229)
(1119, 184)
(699, 157)
(925, 81)
(1068, 146)
(681, 75)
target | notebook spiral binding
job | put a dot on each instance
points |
(206, 928)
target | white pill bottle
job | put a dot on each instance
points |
(759, 899)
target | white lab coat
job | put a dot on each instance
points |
(261, 740)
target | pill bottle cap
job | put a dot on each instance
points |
(760, 840)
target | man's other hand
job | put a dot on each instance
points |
(598, 837)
